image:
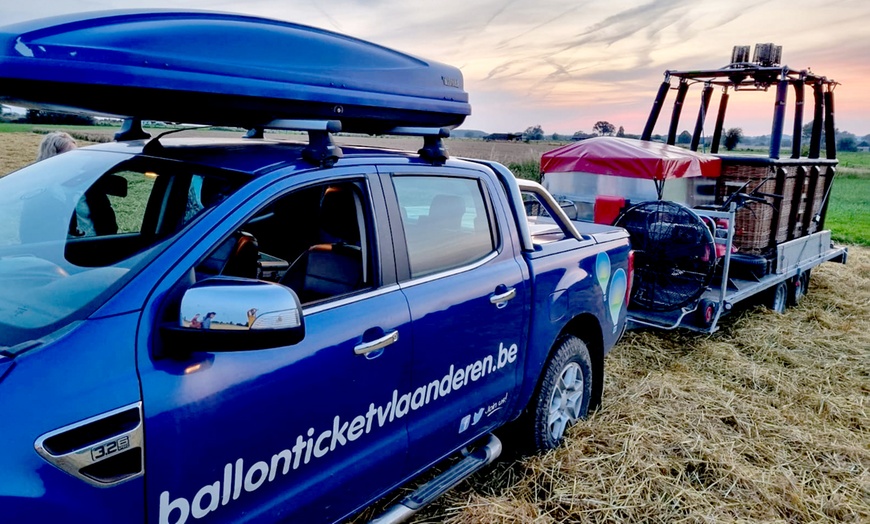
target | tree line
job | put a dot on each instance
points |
(731, 137)
(38, 116)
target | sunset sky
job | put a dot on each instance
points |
(565, 64)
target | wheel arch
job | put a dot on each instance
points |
(585, 327)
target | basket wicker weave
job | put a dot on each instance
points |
(754, 223)
(825, 177)
(786, 186)
(799, 207)
(795, 191)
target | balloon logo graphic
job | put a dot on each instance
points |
(616, 297)
(602, 271)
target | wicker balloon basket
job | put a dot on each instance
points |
(795, 190)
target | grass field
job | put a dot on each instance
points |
(28, 128)
(848, 215)
(854, 163)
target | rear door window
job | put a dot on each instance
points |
(446, 222)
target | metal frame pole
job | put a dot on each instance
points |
(656, 109)
(778, 117)
(798, 119)
(830, 130)
(678, 107)
(720, 121)
(818, 112)
(702, 115)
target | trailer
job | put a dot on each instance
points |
(711, 230)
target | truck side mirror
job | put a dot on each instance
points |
(235, 314)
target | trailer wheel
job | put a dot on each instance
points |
(798, 288)
(777, 298)
(563, 395)
(706, 312)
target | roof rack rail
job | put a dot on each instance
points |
(154, 146)
(321, 149)
(433, 149)
(131, 129)
(284, 124)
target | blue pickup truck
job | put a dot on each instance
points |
(264, 329)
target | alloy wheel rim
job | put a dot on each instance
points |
(565, 401)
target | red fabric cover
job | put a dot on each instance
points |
(607, 209)
(627, 157)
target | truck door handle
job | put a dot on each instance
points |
(374, 345)
(500, 300)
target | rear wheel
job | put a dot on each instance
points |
(777, 298)
(564, 394)
(798, 288)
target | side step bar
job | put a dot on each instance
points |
(473, 462)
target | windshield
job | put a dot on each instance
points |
(72, 227)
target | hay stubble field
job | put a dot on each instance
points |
(764, 421)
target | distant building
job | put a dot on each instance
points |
(864, 147)
(504, 137)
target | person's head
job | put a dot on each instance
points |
(55, 143)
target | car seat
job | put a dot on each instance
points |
(244, 259)
(237, 256)
(334, 266)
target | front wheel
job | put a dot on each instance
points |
(564, 394)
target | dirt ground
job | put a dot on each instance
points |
(17, 150)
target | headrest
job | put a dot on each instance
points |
(338, 215)
(446, 211)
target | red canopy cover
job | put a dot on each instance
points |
(627, 157)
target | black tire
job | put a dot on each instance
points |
(706, 312)
(777, 297)
(567, 376)
(798, 288)
(747, 267)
